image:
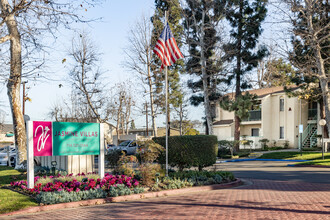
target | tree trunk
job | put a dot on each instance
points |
(152, 108)
(237, 132)
(207, 106)
(319, 61)
(14, 81)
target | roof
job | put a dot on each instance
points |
(224, 122)
(264, 92)
(5, 128)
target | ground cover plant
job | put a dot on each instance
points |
(203, 177)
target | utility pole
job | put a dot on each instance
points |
(24, 97)
(147, 128)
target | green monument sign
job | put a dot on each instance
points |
(76, 138)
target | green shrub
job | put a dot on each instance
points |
(275, 148)
(113, 157)
(63, 196)
(125, 165)
(187, 151)
(224, 152)
(312, 149)
(204, 177)
(148, 172)
(264, 143)
(148, 151)
(225, 144)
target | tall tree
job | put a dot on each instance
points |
(120, 106)
(175, 96)
(22, 23)
(310, 55)
(245, 17)
(85, 75)
(201, 22)
(139, 60)
(276, 73)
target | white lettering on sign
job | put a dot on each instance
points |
(42, 138)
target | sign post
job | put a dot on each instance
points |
(62, 139)
(30, 154)
(301, 131)
(101, 155)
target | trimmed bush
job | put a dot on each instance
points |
(225, 144)
(204, 177)
(187, 151)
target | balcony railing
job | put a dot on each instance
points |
(312, 114)
(254, 115)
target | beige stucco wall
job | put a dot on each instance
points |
(223, 132)
(273, 118)
(223, 114)
(246, 129)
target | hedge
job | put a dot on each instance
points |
(189, 150)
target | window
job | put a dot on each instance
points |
(255, 132)
(281, 105)
(281, 132)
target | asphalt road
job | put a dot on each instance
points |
(276, 170)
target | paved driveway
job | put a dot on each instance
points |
(276, 170)
(284, 193)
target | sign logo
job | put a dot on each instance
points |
(42, 138)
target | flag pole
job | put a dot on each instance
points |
(166, 103)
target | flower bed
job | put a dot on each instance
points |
(56, 189)
(77, 183)
(69, 188)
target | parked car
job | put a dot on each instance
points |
(4, 160)
(110, 145)
(129, 147)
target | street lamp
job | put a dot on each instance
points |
(322, 123)
(53, 163)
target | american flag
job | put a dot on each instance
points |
(166, 48)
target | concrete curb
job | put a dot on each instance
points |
(146, 195)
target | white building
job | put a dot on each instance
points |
(275, 117)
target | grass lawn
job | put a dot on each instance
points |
(9, 200)
(315, 157)
(325, 162)
(295, 156)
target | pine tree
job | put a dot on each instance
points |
(310, 54)
(201, 21)
(175, 95)
(279, 73)
(245, 17)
